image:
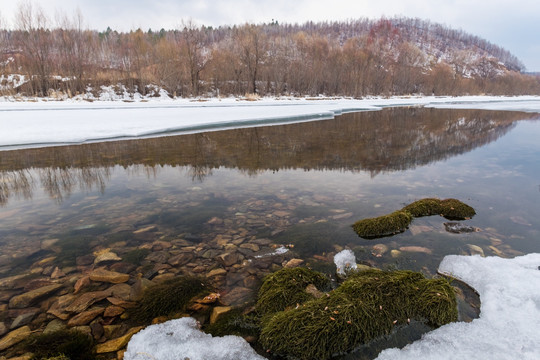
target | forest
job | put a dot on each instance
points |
(43, 57)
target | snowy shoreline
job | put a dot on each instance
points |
(41, 123)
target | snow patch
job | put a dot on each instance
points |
(509, 315)
(182, 339)
(345, 261)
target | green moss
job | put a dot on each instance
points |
(453, 209)
(368, 305)
(385, 225)
(167, 298)
(136, 256)
(287, 288)
(60, 344)
(424, 207)
(398, 221)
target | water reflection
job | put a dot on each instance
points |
(377, 142)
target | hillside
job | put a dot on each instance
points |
(357, 58)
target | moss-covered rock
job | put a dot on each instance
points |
(167, 298)
(451, 209)
(385, 225)
(424, 207)
(398, 221)
(287, 288)
(70, 344)
(366, 306)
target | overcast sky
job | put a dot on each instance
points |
(514, 25)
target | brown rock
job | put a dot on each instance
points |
(37, 283)
(112, 277)
(121, 291)
(181, 259)
(122, 303)
(106, 257)
(216, 272)
(219, 311)
(85, 300)
(228, 259)
(81, 283)
(14, 337)
(237, 296)
(3, 328)
(58, 308)
(85, 317)
(33, 296)
(57, 273)
(250, 246)
(112, 311)
(84, 260)
(416, 249)
(294, 263)
(118, 343)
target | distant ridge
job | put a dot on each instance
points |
(357, 58)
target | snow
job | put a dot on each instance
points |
(45, 123)
(345, 261)
(509, 315)
(182, 339)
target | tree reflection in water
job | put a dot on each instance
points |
(381, 141)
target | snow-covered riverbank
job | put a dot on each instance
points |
(46, 123)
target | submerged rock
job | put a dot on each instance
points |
(31, 297)
(458, 228)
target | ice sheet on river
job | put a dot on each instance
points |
(46, 123)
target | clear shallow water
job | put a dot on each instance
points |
(298, 184)
(338, 171)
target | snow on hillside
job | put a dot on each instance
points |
(45, 123)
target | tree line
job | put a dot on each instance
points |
(357, 58)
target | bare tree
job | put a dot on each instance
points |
(252, 43)
(197, 54)
(36, 42)
(75, 49)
